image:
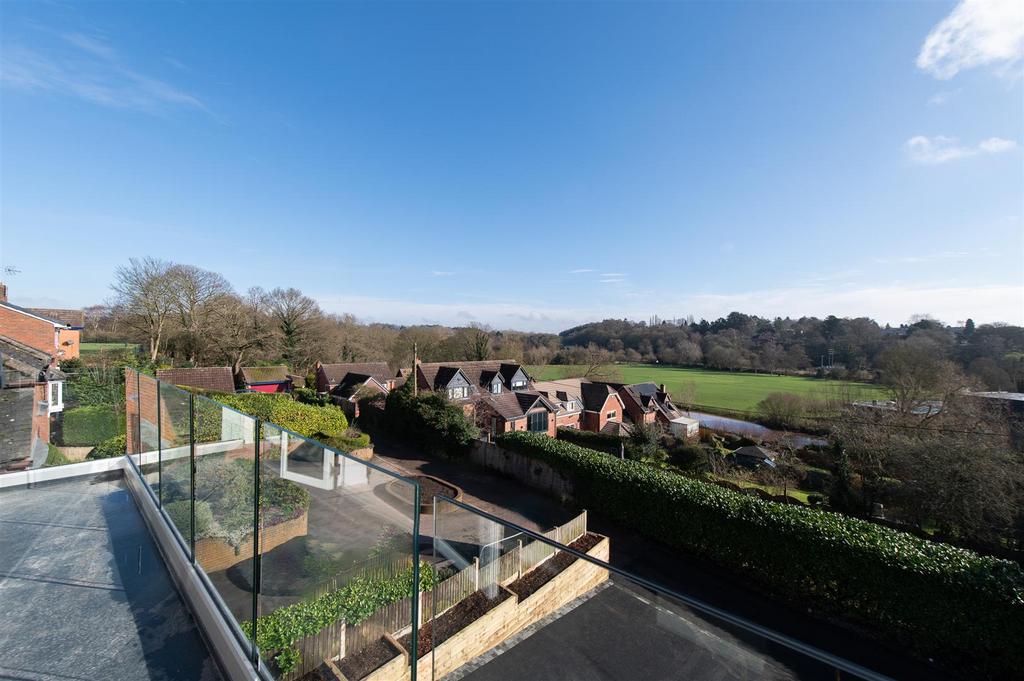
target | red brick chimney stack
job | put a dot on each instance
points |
(3, 292)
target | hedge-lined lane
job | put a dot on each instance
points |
(941, 600)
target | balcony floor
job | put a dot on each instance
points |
(624, 632)
(84, 591)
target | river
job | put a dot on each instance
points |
(756, 430)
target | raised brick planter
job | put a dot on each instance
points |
(215, 554)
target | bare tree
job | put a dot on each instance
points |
(595, 361)
(238, 325)
(145, 299)
(298, 319)
(914, 374)
(194, 290)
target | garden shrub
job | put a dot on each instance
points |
(434, 422)
(90, 425)
(277, 632)
(115, 446)
(55, 457)
(941, 600)
(282, 410)
(350, 441)
(602, 442)
(179, 512)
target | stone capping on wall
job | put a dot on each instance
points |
(502, 622)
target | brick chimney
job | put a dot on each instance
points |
(3, 292)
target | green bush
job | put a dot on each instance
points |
(602, 442)
(282, 410)
(311, 396)
(55, 457)
(430, 419)
(84, 426)
(115, 446)
(277, 632)
(179, 512)
(941, 600)
(349, 442)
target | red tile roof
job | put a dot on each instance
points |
(216, 379)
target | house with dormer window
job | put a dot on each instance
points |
(464, 381)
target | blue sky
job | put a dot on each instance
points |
(524, 165)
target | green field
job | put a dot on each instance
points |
(94, 348)
(723, 390)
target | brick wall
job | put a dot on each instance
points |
(70, 341)
(40, 416)
(29, 330)
(216, 554)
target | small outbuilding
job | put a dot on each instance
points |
(753, 456)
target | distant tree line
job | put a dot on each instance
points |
(184, 314)
(849, 348)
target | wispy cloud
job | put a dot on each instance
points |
(976, 33)
(941, 149)
(612, 274)
(90, 68)
(926, 257)
(940, 98)
(582, 270)
(441, 273)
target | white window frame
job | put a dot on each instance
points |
(54, 396)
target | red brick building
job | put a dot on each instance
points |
(50, 335)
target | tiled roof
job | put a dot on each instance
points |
(336, 372)
(73, 318)
(25, 364)
(514, 405)
(595, 394)
(479, 372)
(16, 408)
(272, 374)
(216, 379)
(25, 310)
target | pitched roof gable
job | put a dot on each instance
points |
(336, 373)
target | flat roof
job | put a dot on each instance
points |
(622, 631)
(85, 591)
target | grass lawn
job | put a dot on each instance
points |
(84, 426)
(797, 494)
(723, 389)
(95, 348)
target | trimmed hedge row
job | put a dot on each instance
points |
(277, 632)
(585, 438)
(941, 600)
(304, 419)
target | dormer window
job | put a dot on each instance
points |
(458, 393)
(519, 384)
(496, 388)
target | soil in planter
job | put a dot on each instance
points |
(367, 660)
(467, 611)
(533, 580)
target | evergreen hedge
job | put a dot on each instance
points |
(277, 632)
(941, 600)
(304, 419)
